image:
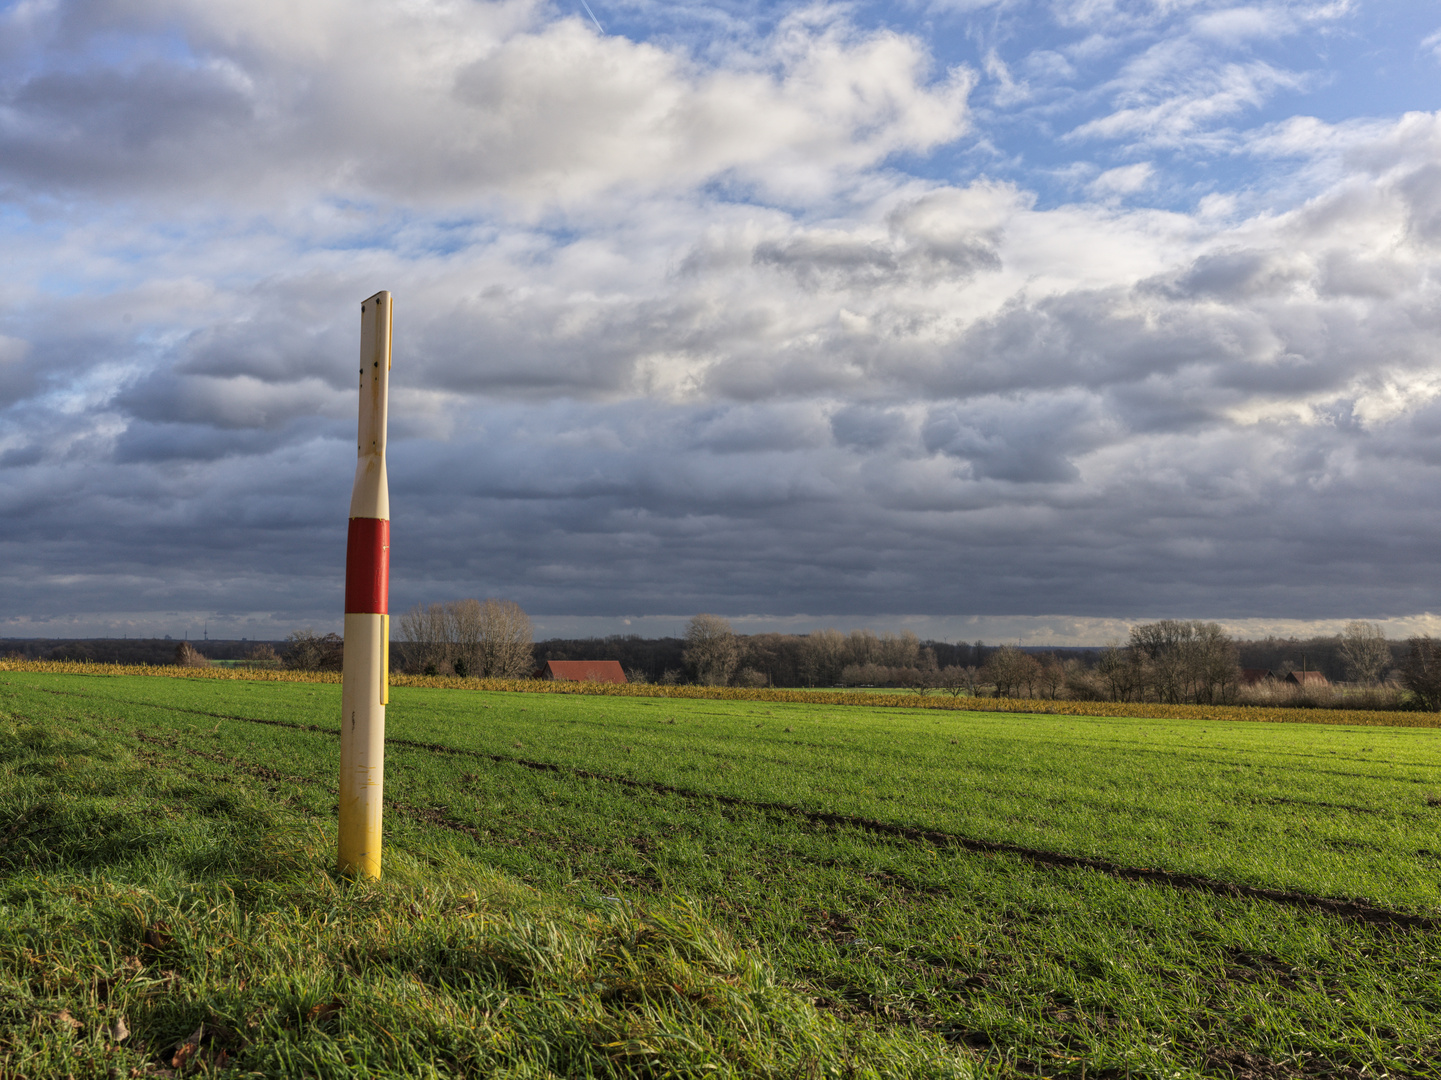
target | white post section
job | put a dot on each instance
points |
(365, 688)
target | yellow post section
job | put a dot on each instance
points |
(362, 745)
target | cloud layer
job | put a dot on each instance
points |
(688, 329)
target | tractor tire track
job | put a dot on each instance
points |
(1358, 910)
(436, 816)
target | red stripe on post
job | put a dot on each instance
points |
(367, 567)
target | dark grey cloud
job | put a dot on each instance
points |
(110, 128)
(869, 427)
(721, 353)
(147, 442)
(235, 403)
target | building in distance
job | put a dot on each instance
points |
(607, 671)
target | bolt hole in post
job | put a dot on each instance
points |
(365, 683)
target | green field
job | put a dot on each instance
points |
(805, 889)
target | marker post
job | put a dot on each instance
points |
(365, 685)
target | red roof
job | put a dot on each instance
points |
(1308, 678)
(584, 670)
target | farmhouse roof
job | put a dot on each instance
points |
(1307, 678)
(608, 671)
(1250, 676)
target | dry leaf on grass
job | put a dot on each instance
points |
(188, 1049)
(157, 937)
(323, 1012)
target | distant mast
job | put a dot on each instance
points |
(365, 684)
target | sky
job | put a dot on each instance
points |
(985, 318)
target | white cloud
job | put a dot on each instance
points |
(436, 104)
(1192, 69)
(1008, 91)
(1182, 110)
(1432, 44)
(1124, 180)
(717, 349)
(1237, 25)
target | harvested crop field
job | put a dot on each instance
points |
(884, 890)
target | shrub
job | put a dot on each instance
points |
(749, 676)
(263, 656)
(186, 655)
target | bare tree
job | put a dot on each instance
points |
(862, 648)
(711, 651)
(901, 650)
(1216, 670)
(924, 677)
(1121, 668)
(1421, 671)
(1082, 683)
(308, 651)
(1187, 660)
(503, 648)
(1051, 677)
(489, 640)
(1007, 669)
(1365, 652)
(973, 680)
(463, 636)
(1028, 673)
(865, 675)
(1164, 644)
(823, 655)
(956, 680)
(425, 630)
(773, 656)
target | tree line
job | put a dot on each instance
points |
(1170, 660)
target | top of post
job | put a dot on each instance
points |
(370, 497)
(379, 307)
(375, 333)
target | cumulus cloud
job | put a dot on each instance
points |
(681, 331)
(438, 104)
(1123, 180)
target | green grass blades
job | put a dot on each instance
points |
(158, 919)
(1333, 811)
(586, 842)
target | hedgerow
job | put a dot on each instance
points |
(1139, 709)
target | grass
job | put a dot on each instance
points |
(789, 889)
(871, 697)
